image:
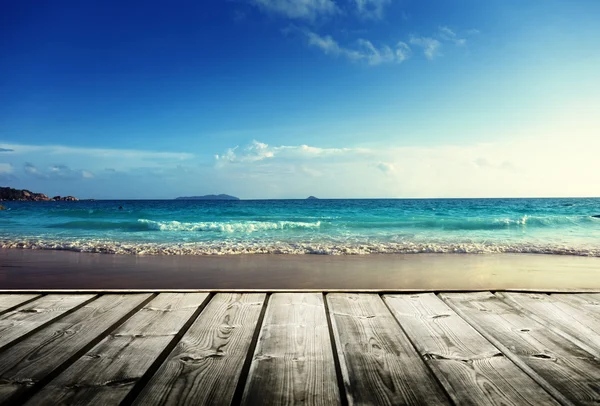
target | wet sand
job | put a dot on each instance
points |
(31, 269)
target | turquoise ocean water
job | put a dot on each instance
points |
(334, 227)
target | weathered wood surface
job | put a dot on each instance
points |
(470, 368)
(562, 318)
(379, 364)
(182, 348)
(586, 303)
(205, 366)
(561, 366)
(7, 302)
(31, 316)
(293, 363)
(34, 358)
(106, 373)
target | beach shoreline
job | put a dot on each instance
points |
(45, 269)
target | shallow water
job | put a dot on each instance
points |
(361, 226)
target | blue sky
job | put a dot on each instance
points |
(285, 99)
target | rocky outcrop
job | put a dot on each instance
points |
(312, 198)
(8, 194)
(65, 199)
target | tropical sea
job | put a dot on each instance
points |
(329, 227)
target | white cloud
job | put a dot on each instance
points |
(299, 9)
(505, 168)
(403, 51)
(386, 167)
(448, 34)
(56, 172)
(258, 151)
(431, 46)
(30, 169)
(363, 51)
(95, 152)
(371, 9)
(6, 168)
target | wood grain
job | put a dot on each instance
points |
(549, 358)
(204, 368)
(9, 301)
(472, 370)
(106, 373)
(379, 364)
(293, 362)
(31, 316)
(589, 304)
(562, 318)
(32, 359)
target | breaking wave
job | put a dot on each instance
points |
(222, 227)
(227, 227)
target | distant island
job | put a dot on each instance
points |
(24, 195)
(312, 198)
(208, 197)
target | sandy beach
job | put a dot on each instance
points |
(36, 269)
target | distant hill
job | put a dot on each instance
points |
(8, 193)
(208, 197)
(312, 198)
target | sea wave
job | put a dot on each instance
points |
(227, 227)
(151, 225)
(476, 223)
(269, 247)
(406, 223)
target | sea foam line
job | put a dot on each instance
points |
(307, 248)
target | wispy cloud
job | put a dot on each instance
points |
(448, 34)
(299, 9)
(6, 168)
(431, 46)
(504, 168)
(364, 50)
(258, 151)
(96, 152)
(386, 167)
(30, 169)
(62, 172)
(371, 9)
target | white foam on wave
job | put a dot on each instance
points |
(321, 248)
(227, 227)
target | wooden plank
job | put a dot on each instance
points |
(560, 317)
(586, 303)
(568, 372)
(31, 316)
(308, 290)
(379, 364)
(7, 302)
(293, 362)
(204, 368)
(37, 356)
(106, 373)
(470, 368)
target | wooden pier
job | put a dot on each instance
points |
(315, 348)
